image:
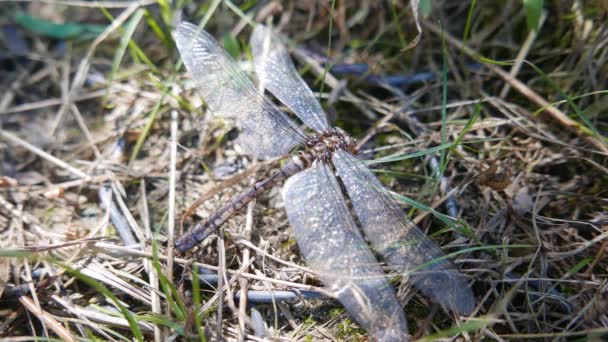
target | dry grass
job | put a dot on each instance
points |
(525, 180)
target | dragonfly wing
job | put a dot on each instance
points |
(228, 92)
(400, 242)
(275, 69)
(333, 247)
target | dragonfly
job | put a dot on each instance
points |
(337, 207)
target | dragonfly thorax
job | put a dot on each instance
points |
(323, 145)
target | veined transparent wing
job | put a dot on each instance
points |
(333, 247)
(228, 91)
(400, 242)
(275, 69)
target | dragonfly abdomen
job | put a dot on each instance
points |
(205, 228)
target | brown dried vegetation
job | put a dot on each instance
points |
(527, 184)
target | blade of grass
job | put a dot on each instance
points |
(173, 299)
(557, 115)
(330, 30)
(588, 128)
(397, 22)
(453, 255)
(409, 156)
(165, 91)
(470, 325)
(106, 292)
(13, 253)
(165, 11)
(150, 121)
(136, 52)
(467, 127)
(444, 110)
(448, 221)
(157, 319)
(209, 13)
(405, 175)
(196, 289)
(591, 129)
(533, 9)
(158, 31)
(597, 92)
(239, 12)
(467, 26)
(122, 47)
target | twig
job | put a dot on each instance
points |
(523, 52)
(256, 296)
(171, 214)
(46, 319)
(229, 282)
(85, 130)
(243, 283)
(152, 276)
(118, 220)
(265, 254)
(69, 306)
(51, 102)
(18, 141)
(221, 273)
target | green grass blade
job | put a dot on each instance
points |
(173, 299)
(444, 109)
(239, 12)
(196, 289)
(106, 292)
(467, 127)
(448, 221)
(590, 128)
(326, 69)
(165, 11)
(150, 121)
(409, 156)
(471, 325)
(533, 9)
(467, 26)
(157, 29)
(209, 14)
(122, 47)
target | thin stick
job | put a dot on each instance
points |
(85, 130)
(51, 102)
(18, 141)
(152, 276)
(523, 52)
(71, 308)
(221, 271)
(243, 282)
(46, 319)
(9, 94)
(171, 214)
